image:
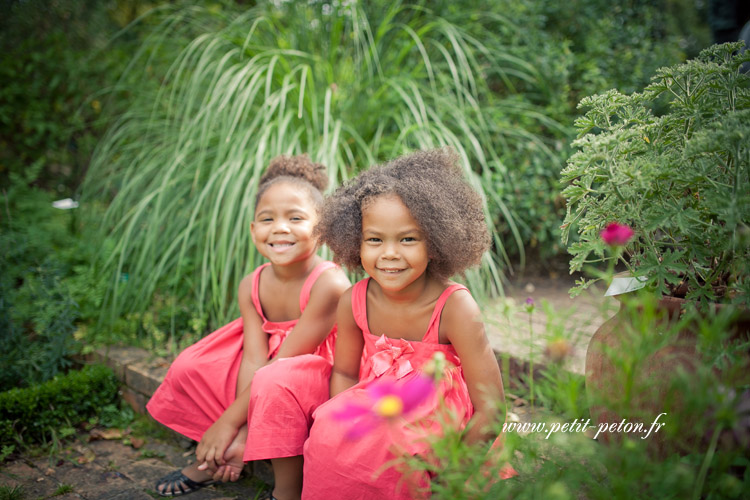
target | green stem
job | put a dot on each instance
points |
(706, 463)
(617, 251)
(531, 362)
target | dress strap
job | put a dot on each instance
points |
(254, 294)
(304, 296)
(433, 330)
(359, 304)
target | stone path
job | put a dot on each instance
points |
(112, 470)
(555, 315)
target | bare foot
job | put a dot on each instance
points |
(232, 469)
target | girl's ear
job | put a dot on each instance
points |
(252, 231)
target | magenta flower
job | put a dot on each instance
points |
(386, 399)
(616, 235)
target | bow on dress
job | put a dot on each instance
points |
(389, 356)
(275, 338)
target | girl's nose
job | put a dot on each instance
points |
(389, 251)
(281, 226)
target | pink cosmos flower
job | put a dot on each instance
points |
(386, 399)
(616, 234)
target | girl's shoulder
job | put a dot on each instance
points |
(460, 303)
(460, 315)
(332, 280)
(245, 293)
(246, 283)
(332, 271)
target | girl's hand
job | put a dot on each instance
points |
(233, 462)
(213, 445)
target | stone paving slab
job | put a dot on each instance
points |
(113, 470)
(555, 314)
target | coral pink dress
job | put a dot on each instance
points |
(360, 468)
(201, 383)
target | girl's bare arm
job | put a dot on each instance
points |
(319, 316)
(219, 436)
(255, 340)
(464, 329)
(349, 345)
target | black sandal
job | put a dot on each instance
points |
(176, 484)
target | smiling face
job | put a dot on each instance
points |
(394, 249)
(282, 229)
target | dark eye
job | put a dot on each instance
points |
(373, 240)
(409, 239)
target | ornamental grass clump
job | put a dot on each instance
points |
(678, 179)
(347, 85)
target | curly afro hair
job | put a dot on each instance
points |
(431, 185)
(296, 170)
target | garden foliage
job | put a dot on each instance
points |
(700, 452)
(38, 414)
(573, 51)
(47, 285)
(679, 179)
(54, 62)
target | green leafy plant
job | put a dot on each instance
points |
(572, 51)
(679, 179)
(114, 415)
(48, 288)
(63, 489)
(40, 413)
(54, 59)
(11, 492)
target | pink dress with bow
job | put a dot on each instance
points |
(360, 468)
(201, 383)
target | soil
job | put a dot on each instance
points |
(109, 469)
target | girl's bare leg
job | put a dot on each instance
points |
(287, 474)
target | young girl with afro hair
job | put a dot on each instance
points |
(288, 310)
(410, 224)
